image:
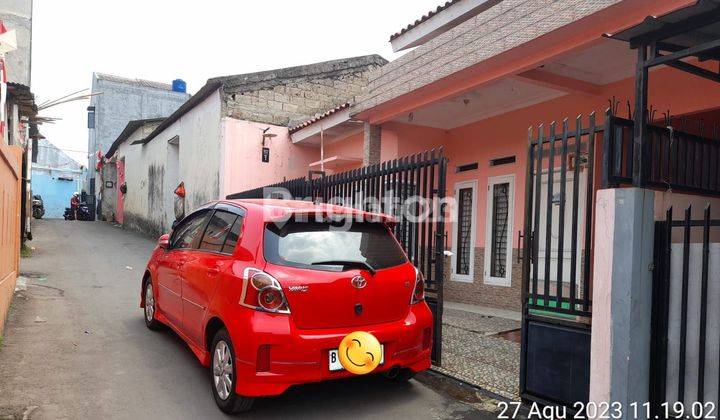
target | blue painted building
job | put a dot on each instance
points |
(55, 176)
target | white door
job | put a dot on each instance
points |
(541, 235)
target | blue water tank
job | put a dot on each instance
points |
(178, 85)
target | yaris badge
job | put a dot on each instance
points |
(358, 282)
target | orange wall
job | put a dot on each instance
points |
(10, 167)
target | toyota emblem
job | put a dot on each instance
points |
(358, 282)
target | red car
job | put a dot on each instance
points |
(263, 291)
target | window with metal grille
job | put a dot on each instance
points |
(500, 216)
(91, 117)
(464, 231)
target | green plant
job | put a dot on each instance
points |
(25, 251)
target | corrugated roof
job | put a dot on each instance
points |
(424, 18)
(134, 82)
(317, 118)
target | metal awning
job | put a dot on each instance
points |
(687, 27)
(682, 39)
(691, 32)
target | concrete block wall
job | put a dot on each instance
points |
(124, 100)
(17, 15)
(502, 27)
(289, 96)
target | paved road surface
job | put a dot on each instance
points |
(75, 347)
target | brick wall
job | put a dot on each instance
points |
(498, 29)
(479, 293)
(289, 96)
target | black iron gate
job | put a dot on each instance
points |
(557, 263)
(686, 317)
(411, 188)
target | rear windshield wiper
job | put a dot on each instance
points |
(360, 264)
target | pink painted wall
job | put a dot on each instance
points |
(506, 135)
(241, 165)
(350, 147)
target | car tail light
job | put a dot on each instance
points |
(262, 292)
(419, 290)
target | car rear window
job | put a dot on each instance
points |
(306, 244)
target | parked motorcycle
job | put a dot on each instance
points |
(38, 207)
(83, 213)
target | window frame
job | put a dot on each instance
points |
(470, 277)
(487, 278)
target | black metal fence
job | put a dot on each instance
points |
(685, 314)
(558, 218)
(560, 180)
(411, 188)
(675, 160)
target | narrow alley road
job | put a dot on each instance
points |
(76, 346)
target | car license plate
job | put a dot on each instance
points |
(335, 364)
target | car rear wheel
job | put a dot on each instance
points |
(402, 376)
(223, 376)
(149, 307)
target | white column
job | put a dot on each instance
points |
(622, 296)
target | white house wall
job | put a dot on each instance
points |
(199, 132)
(152, 177)
(144, 167)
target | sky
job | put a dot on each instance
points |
(162, 40)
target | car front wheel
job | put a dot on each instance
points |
(223, 376)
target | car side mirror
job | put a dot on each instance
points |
(164, 241)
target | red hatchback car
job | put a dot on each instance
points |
(263, 291)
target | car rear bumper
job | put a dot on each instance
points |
(298, 356)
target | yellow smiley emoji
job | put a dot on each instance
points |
(360, 352)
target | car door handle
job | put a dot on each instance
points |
(214, 271)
